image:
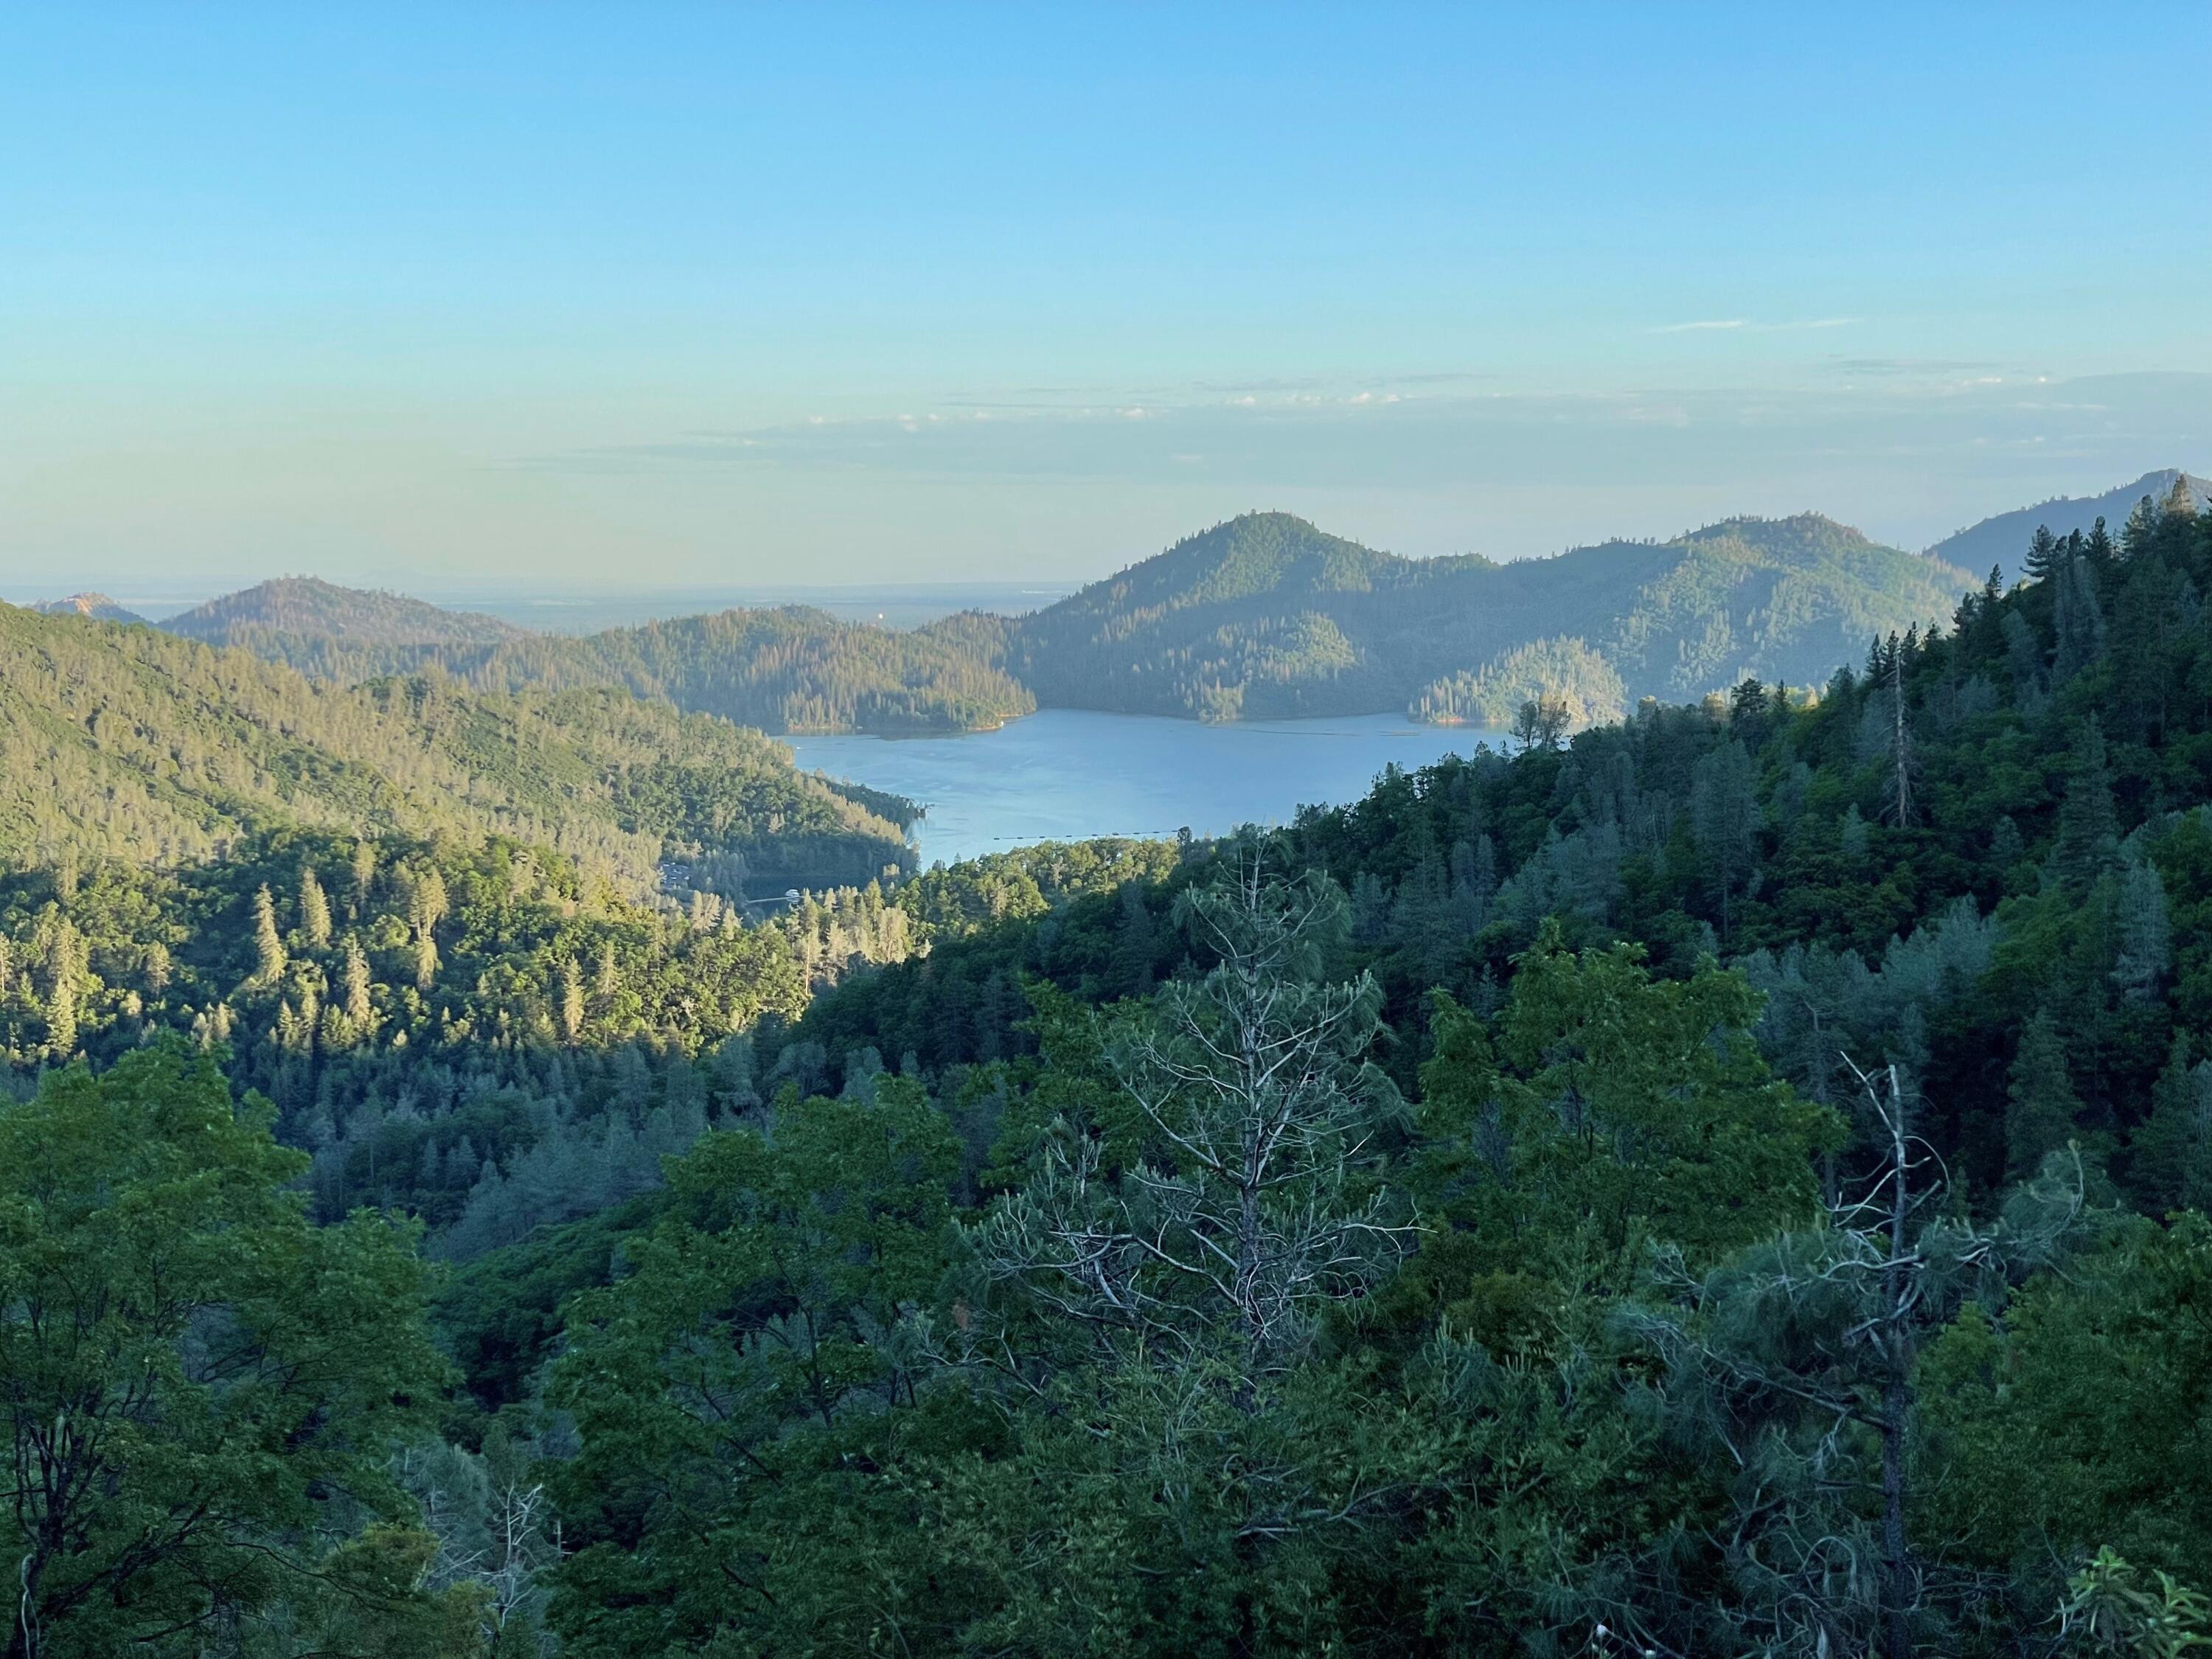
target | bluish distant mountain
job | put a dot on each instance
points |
(2002, 542)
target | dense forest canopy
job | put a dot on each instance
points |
(1730, 1181)
(127, 743)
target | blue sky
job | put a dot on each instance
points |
(672, 295)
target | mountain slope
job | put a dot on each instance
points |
(2002, 541)
(125, 741)
(97, 606)
(1267, 616)
(291, 616)
(795, 668)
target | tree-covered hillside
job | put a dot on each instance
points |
(1267, 616)
(793, 669)
(129, 743)
(294, 618)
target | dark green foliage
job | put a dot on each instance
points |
(1141, 1257)
(200, 1388)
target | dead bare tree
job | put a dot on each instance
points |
(1793, 1364)
(1256, 1101)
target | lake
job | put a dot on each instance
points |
(1066, 774)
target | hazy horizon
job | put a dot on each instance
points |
(681, 300)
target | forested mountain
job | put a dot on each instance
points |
(792, 670)
(1267, 616)
(97, 606)
(1733, 1182)
(285, 615)
(2002, 542)
(1264, 617)
(131, 744)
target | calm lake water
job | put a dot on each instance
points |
(1064, 774)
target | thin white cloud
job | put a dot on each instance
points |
(1749, 326)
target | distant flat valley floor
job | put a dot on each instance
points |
(1064, 774)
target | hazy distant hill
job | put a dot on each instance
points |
(2002, 542)
(790, 670)
(1263, 617)
(793, 669)
(97, 606)
(296, 617)
(1267, 615)
(129, 743)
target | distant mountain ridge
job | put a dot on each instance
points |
(97, 606)
(1267, 616)
(311, 609)
(2001, 542)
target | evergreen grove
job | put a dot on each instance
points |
(1731, 1181)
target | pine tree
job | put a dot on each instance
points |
(2042, 554)
(1901, 762)
(360, 1014)
(2098, 549)
(426, 961)
(2042, 1105)
(314, 910)
(430, 902)
(2079, 619)
(2146, 953)
(1724, 819)
(60, 1005)
(364, 874)
(268, 942)
(572, 1002)
(2088, 826)
(2171, 1155)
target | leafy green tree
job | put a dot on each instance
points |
(189, 1372)
(2078, 1417)
(733, 1394)
(1605, 1107)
